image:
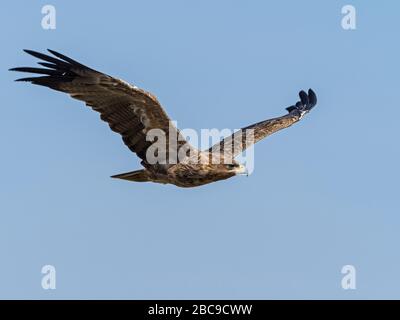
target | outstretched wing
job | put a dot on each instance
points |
(232, 146)
(128, 110)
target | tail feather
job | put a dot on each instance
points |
(138, 176)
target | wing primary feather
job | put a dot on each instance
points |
(65, 58)
(291, 108)
(37, 70)
(312, 97)
(304, 98)
(48, 81)
(46, 58)
(52, 66)
(32, 79)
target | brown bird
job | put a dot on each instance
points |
(134, 113)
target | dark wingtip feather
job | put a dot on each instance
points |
(291, 108)
(304, 98)
(38, 71)
(306, 103)
(26, 79)
(65, 58)
(50, 65)
(47, 58)
(312, 97)
(56, 71)
(31, 52)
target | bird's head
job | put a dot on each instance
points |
(236, 168)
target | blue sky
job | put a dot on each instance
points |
(324, 193)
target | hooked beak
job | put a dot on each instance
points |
(242, 170)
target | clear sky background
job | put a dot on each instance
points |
(324, 193)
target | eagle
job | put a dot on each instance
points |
(134, 113)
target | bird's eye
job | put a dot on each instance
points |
(230, 166)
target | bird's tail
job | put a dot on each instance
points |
(138, 176)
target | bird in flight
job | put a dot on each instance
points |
(133, 113)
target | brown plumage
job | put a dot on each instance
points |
(133, 113)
